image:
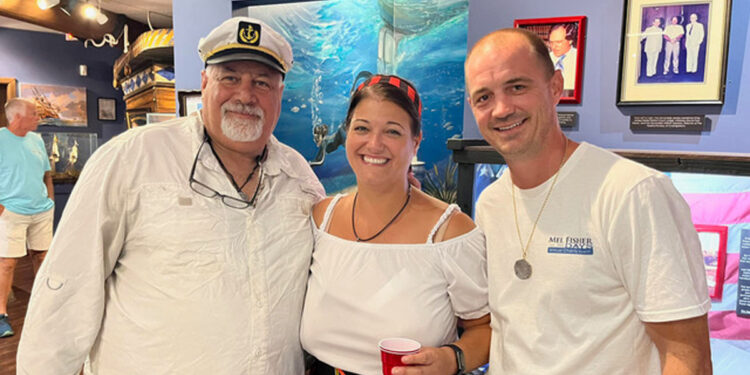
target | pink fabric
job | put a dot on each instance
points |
(728, 326)
(719, 209)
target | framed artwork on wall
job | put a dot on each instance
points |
(106, 109)
(190, 101)
(135, 118)
(714, 245)
(57, 105)
(673, 52)
(565, 38)
(68, 152)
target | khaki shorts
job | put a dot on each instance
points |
(18, 231)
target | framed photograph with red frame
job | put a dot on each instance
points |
(565, 39)
(714, 245)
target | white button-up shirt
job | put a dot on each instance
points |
(145, 276)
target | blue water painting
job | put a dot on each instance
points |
(337, 43)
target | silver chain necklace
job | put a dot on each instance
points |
(522, 267)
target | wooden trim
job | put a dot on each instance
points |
(11, 89)
(10, 92)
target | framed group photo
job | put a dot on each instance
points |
(565, 39)
(673, 52)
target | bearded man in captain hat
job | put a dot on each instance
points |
(185, 245)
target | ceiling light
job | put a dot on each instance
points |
(46, 4)
(89, 11)
(95, 13)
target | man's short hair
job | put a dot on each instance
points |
(538, 47)
(540, 50)
(16, 106)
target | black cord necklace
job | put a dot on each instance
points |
(354, 205)
(258, 160)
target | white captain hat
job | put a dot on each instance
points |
(245, 38)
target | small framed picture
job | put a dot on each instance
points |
(565, 38)
(714, 245)
(190, 101)
(106, 109)
(673, 52)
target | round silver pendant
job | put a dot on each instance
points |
(522, 269)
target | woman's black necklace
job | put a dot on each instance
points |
(258, 160)
(354, 205)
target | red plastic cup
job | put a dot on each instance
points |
(393, 349)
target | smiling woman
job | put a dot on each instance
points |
(390, 246)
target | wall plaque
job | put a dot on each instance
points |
(669, 123)
(567, 119)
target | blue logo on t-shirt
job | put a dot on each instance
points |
(571, 245)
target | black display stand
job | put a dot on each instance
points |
(468, 152)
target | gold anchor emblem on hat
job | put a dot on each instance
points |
(249, 35)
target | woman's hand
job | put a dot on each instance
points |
(429, 361)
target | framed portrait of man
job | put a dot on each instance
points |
(565, 40)
(673, 52)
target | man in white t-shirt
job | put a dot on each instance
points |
(594, 265)
(672, 35)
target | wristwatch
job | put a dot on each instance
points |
(460, 361)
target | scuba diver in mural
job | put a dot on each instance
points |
(400, 19)
(328, 143)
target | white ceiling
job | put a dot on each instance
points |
(158, 11)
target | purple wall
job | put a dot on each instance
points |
(46, 58)
(601, 122)
(192, 20)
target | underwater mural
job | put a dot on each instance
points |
(339, 43)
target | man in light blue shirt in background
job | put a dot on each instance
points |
(26, 197)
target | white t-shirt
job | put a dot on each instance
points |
(359, 293)
(614, 247)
